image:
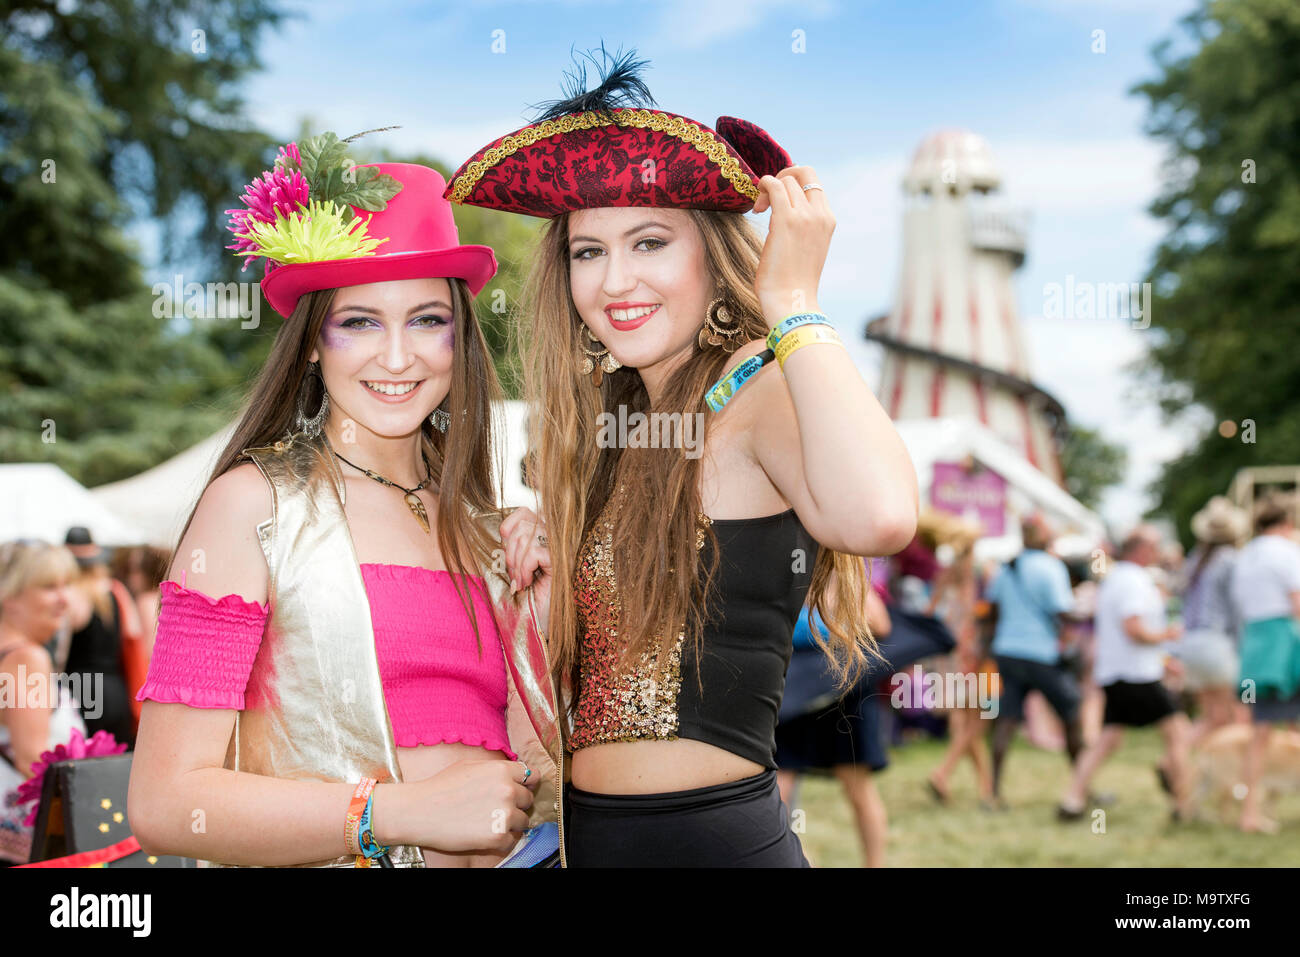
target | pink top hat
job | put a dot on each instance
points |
(415, 233)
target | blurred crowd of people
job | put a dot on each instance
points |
(77, 611)
(1078, 648)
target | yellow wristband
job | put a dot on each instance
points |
(801, 336)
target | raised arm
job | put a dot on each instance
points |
(817, 430)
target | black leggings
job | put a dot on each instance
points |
(740, 824)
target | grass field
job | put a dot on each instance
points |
(1137, 829)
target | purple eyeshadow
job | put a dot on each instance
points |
(335, 337)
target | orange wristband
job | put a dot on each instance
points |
(355, 809)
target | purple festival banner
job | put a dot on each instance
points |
(976, 493)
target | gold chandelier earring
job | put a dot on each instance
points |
(595, 361)
(719, 328)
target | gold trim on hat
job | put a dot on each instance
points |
(698, 136)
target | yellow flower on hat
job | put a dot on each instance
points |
(315, 234)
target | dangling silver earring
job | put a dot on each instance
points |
(312, 426)
(440, 418)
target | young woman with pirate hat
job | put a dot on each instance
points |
(680, 576)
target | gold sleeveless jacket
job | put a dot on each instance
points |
(314, 707)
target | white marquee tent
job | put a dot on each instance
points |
(952, 440)
(152, 506)
(40, 500)
(158, 502)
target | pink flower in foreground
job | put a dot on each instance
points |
(290, 154)
(275, 192)
(100, 745)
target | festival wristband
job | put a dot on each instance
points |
(722, 391)
(794, 322)
(360, 799)
(803, 337)
(365, 836)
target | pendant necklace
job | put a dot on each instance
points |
(412, 500)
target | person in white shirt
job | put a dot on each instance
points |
(1130, 630)
(1266, 591)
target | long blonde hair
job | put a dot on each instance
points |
(460, 459)
(576, 476)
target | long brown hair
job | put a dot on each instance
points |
(660, 515)
(461, 459)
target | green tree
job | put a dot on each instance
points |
(113, 113)
(1226, 277)
(1091, 464)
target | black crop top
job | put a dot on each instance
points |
(764, 570)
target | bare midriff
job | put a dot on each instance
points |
(652, 767)
(427, 760)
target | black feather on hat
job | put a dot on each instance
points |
(620, 86)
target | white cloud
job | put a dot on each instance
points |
(866, 197)
(1063, 176)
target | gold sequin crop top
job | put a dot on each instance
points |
(764, 570)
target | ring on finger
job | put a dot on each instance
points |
(812, 186)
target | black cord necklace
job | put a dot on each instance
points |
(412, 500)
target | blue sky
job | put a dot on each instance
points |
(875, 79)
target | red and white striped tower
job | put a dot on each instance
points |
(953, 344)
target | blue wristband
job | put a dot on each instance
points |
(365, 838)
(722, 391)
(794, 322)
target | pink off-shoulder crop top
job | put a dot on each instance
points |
(437, 686)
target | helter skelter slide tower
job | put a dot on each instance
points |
(953, 342)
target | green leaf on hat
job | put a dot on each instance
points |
(359, 186)
(321, 155)
(370, 190)
(331, 177)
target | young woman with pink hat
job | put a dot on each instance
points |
(755, 463)
(340, 677)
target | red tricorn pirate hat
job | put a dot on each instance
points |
(585, 152)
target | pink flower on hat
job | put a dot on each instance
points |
(289, 157)
(100, 745)
(276, 191)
